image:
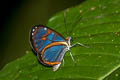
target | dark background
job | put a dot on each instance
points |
(16, 19)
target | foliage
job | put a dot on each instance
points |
(94, 23)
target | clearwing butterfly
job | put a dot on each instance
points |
(49, 46)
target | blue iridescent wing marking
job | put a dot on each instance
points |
(51, 54)
(40, 37)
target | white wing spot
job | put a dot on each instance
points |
(33, 29)
(36, 27)
(45, 28)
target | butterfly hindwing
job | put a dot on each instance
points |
(52, 55)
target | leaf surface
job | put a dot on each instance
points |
(94, 23)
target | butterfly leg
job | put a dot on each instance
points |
(63, 62)
(79, 44)
(55, 67)
(72, 56)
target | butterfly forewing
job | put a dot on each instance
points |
(47, 45)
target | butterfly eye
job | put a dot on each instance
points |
(67, 38)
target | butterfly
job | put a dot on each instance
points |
(50, 46)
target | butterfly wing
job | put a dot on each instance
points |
(49, 46)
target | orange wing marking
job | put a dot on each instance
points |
(52, 63)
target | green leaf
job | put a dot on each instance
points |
(94, 23)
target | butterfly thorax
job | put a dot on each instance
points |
(68, 42)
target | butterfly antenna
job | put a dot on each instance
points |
(65, 23)
(75, 22)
